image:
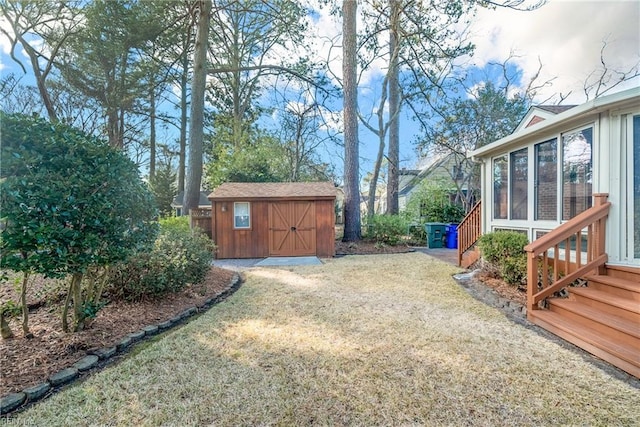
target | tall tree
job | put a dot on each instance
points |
(101, 61)
(196, 123)
(41, 28)
(352, 220)
(463, 124)
(394, 108)
(246, 48)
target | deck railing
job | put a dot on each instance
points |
(552, 264)
(469, 230)
(201, 218)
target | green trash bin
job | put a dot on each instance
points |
(435, 234)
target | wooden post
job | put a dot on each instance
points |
(600, 199)
(532, 282)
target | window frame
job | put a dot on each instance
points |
(561, 166)
(235, 216)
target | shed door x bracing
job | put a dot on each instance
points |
(292, 228)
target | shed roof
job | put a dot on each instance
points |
(274, 190)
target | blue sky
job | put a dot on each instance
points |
(565, 36)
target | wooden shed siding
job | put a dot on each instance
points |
(325, 228)
(242, 243)
(254, 242)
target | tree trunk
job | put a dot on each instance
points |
(40, 80)
(65, 308)
(152, 131)
(78, 302)
(394, 110)
(196, 125)
(25, 309)
(112, 127)
(183, 120)
(382, 134)
(352, 224)
(5, 330)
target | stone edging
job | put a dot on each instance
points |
(490, 297)
(14, 401)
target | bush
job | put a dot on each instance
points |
(70, 204)
(417, 235)
(503, 252)
(180, 256)
(431, 202)
(387, 229)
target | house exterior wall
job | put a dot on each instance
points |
(612, 172)
(254, 241)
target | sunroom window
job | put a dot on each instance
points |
(519, 184)
(500, 187)
(546, 188)
(577, 172)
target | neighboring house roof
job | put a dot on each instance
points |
(274, 190)
(559, 122)
(204, 201)
(410, 184)
(539, 113)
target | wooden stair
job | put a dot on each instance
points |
(469, 257)
(602, 318)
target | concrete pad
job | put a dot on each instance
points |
(236, 264)
(288, 261)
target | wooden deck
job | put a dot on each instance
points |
(602, 317)
(600, 307)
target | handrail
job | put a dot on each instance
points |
(469, 230)
(544, 271)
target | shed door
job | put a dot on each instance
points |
(292, 228)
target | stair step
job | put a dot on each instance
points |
(604, 321)
(608, 302)
(622, 287)
(616, 352)
(624, 272)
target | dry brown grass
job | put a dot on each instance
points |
(364, 340)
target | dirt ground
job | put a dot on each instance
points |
(27, 362)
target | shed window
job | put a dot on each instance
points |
(241, 216)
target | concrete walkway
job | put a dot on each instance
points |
(244, 264)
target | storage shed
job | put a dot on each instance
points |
(256, 220)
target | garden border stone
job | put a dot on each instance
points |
(37, 391)
(20, 400)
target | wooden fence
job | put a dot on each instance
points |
(201, 218)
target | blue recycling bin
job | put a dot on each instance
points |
(452, 236)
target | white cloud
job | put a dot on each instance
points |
(567, 36)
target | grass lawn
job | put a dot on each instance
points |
(361, 340)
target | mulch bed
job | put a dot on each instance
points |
(27, 362)
(365, 247)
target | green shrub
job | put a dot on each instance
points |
(175, 223)
(179, 256)
(387, 229)
(431, 202)
(503, 252)
(417, 235)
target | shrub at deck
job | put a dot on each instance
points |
(503, 252)
(180, 256)
(71, 206)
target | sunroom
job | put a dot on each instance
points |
(548, 171)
